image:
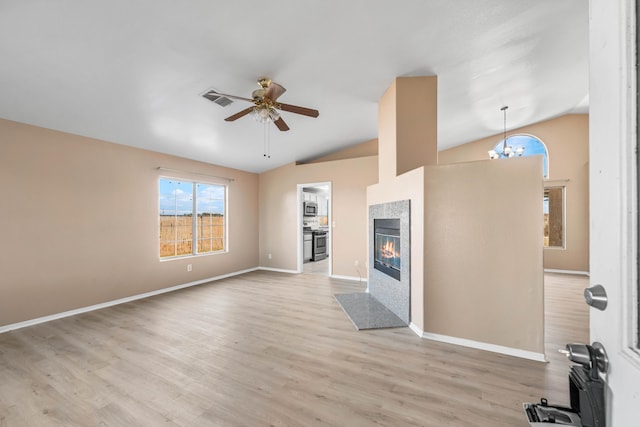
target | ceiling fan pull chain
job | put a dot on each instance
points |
(268, 130)
(267, 141)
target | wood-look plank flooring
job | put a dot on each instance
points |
(316, 267)
(270, 349)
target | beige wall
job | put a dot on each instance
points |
(567, 141)
(483, 255)
(279, 212)
(408, 126)
(364, 149)
(387, 130)
(81, 223)
(416, 122)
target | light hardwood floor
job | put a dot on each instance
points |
(316, 267)
(266, 349)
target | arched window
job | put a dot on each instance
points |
(519, 146)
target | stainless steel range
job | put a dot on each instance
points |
(319, 247)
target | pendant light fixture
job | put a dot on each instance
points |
(507, 150)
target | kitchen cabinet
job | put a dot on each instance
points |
(307, 246)
(322, 206)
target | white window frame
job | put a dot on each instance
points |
(564, 217)
(194, 215)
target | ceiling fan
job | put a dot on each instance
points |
(265, 103)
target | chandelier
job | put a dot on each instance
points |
(507, 150)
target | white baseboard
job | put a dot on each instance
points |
(509, 351)
(352, 278)
(580, 273)
(332, 276)
(278, 270)
(64, 314)
(416, 329)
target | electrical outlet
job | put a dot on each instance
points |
(356, 263)
(189, 267)
(269, 256)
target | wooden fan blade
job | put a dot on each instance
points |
(213, 92)
(298, 110)
(274, 90)
(239, 114)
(281, 125)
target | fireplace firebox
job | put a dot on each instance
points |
(387, 246)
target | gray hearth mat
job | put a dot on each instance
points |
(366, 312)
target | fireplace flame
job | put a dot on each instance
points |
(388, 250)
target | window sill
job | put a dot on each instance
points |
(174, 258)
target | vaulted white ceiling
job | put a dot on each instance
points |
(132, 72)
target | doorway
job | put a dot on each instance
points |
(314, 228)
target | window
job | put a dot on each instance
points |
(554, 217)
(530, 146)
(192, 218)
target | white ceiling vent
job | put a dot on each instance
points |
(222, 101)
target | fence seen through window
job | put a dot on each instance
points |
(192, 218)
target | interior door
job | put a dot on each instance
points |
(613, 201)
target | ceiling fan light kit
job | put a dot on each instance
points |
(265, 114)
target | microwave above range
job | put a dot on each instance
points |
(310, 209)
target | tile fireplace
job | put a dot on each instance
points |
(389, 256)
